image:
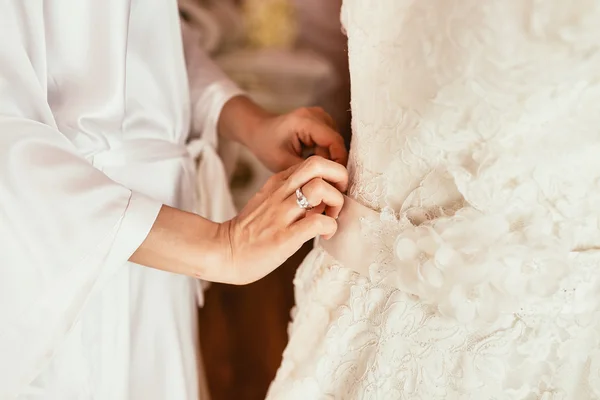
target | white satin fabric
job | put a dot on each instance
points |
(94, 119)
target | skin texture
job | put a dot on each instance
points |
(271, 227)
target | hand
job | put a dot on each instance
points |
(272, 226)
(279, 141)
(269, 229)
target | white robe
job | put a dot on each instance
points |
(94, 117)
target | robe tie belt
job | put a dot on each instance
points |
(202, 166)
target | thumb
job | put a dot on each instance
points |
(306, 229)
(311, 226)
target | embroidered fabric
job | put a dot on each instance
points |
(476, 136)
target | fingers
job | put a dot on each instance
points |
(283, 175)
(323, 152)
(310, 227)
(316, 167)
(318, 193)
(290, 160)
(320, 209)
(316, 128)
(325, 137)
(322, 114)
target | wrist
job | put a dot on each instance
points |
(212, 253)
(241, 120)
(187, 244)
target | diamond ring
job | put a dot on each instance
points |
(302, 201)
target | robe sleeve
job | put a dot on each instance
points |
(65, 227)
(210, 88)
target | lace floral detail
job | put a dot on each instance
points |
(458, 138)
(353, 338)
(471, 265)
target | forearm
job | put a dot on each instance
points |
(187, 244)
(240, 119)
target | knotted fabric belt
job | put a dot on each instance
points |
(349, 245)
(212, 198)
(355, 250)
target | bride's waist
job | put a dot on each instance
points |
(468, 251)
(435, 195)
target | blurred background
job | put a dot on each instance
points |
(286, 54)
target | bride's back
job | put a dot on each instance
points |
(467, 101)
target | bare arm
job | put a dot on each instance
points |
(219, 106)
(185, 243)
(266, 232)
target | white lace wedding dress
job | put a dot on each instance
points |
(467, 265)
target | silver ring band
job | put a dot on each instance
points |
(302, 201)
